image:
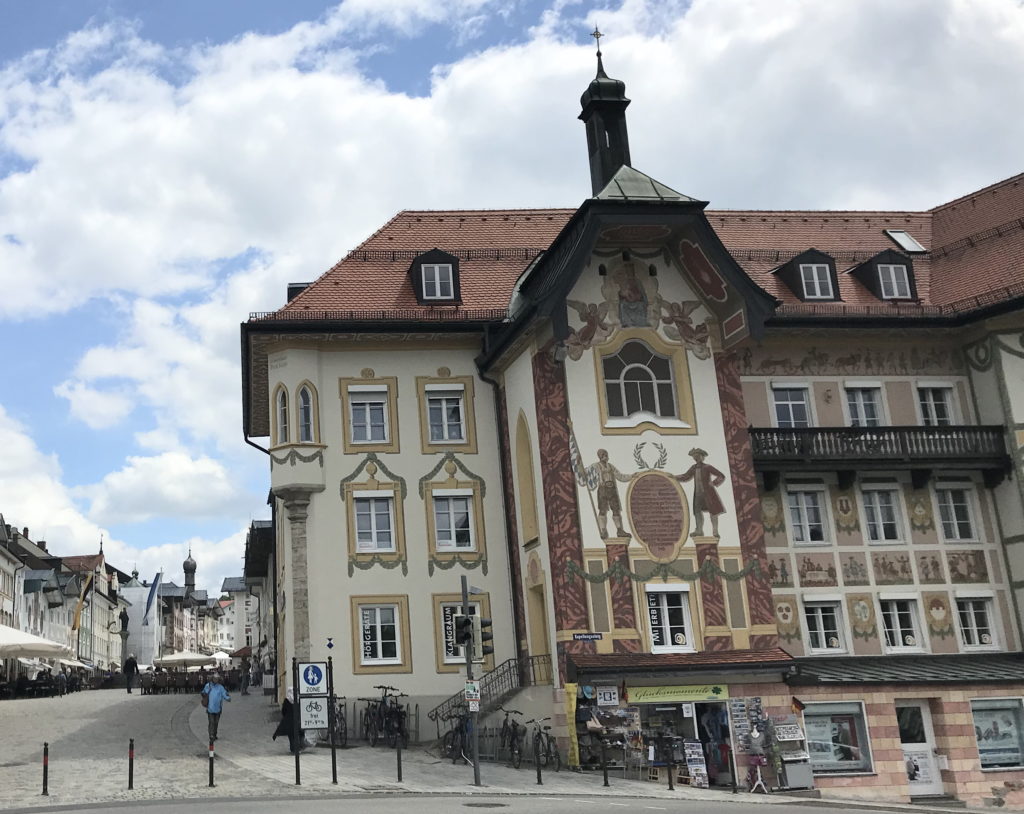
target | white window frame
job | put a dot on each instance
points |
(926, 412)
(281, 413)
(654, 382)
(453, 653)
(897, 508)
(801, 386)
(306, 423)
(444, 393)
(374, 546)
(888, 278)
(857, 391)
(915, 618)
(688, 632)
(376, 624)
(793, 489)
(446, 496)
(815, 604)
(816, 288)
(989, 607)
(360, 395)
(432, 277)
(971, 504)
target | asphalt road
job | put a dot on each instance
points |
(443, 804)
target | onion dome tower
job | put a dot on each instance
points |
(604, 113)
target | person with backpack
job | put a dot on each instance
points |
(213, 697)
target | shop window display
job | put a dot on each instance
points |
(837, 737)
(999, 730)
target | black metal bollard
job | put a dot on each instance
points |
(604, 762)
(671, 771)
(46, 770)
(536, 760)
(211, 764)
(131, 764)
(398, 750)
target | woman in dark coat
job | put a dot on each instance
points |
(287, 725)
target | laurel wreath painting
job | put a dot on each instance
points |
(639, 458)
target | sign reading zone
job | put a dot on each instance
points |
(312, 679)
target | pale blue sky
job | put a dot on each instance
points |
(167, 167)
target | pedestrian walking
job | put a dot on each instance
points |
(131, 669)
(62, 682)
(287, 724)
(244, 676)
(214, 695)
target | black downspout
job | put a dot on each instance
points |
(513, 547)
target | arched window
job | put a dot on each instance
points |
(638, 380)
(281, 410)
(305, 415)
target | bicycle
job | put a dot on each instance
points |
(385, 717)
(545, 751)
(512, 733)
(456, 740)
(339, 734)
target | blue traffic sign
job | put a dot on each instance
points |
(313, 678)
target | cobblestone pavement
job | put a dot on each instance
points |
(88, 734)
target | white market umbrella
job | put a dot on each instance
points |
(16, 643)
(73, 663)
(220, 656)
(185, 658)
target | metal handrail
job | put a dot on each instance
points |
(499, 683)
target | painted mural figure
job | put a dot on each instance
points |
(679, 326)
(632, 299)
(594, 329)
(604, 474)
(705, 479)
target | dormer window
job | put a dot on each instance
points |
(811, 275)
(888, 275)
(895, 282)
(817, 281)
(434, 277)
(437, 281)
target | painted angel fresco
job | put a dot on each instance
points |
(595, 328)
(679, 326)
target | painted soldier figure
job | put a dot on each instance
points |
(705, 494)
(604, 475)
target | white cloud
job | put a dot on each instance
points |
(188, 187)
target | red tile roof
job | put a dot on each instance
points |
(684, 661)
(975, 243)
(83, 563)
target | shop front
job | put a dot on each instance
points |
(713, 720)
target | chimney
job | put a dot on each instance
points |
(24, 532)
(41, 544)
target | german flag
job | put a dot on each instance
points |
(86, 587)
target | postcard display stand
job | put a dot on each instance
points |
(696, 768)
(796, 762)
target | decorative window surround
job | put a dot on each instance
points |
(474, 490)
(683, 423)
(281, 414)
(668, 615)
(451, 660)
(350, 389)
(373, 486)
(463, 385)
(403, 662)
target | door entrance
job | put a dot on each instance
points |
(918, 740)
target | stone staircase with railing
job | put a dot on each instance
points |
(499, 685)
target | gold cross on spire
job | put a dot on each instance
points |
(596, 34)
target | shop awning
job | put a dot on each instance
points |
(72, 663)
(14, 642)
(989, 668)
(616, 666)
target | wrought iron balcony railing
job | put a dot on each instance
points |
(850, 448)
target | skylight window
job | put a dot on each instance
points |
(905, 240)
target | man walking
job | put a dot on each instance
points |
(244, 675)
(216, 695)
(131, 669)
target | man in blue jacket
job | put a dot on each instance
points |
(216, 695)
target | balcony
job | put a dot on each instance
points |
(849, 449)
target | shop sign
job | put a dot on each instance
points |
(608, 696)
(678, 694)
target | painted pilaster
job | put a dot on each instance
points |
(748, 507)
(511, 527)
(620, 586)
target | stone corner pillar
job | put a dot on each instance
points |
(296, 504)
